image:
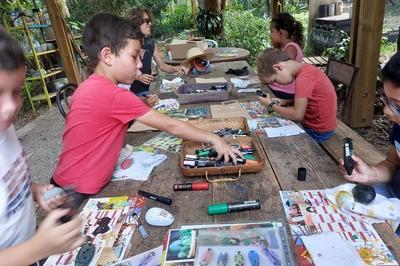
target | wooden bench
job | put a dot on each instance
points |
(362, 148)
(318, 61)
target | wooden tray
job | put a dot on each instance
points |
(214, 124)
(189, 147)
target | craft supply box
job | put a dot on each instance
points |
(189, 147)
(186, 93)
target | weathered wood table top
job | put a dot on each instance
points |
(221, 54)
(282, 155)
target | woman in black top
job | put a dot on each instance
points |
(142, 18)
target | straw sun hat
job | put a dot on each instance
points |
(194, 52)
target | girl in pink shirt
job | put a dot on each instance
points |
(286, 34)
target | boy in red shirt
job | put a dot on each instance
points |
(315, 104)
(100, 112)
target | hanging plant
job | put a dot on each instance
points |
(209, 23)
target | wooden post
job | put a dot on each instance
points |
(63, 42)
(276, 7)
(355, 18)
(365, 46)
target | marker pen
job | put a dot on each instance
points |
(191, 186)
(155, 197)
(222, 208)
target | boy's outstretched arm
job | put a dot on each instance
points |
(189, 132)
(51, 238)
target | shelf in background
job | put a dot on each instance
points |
(32, 26)
(42, 96)
(53, 72)
(43, 53)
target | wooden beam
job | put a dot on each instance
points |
(355, 18)
(365, 54)
(63, 40)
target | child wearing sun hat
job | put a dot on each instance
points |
(198, 61)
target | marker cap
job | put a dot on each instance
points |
(301, 174)
(220, 208)
(200, 186)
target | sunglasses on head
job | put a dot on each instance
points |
(146, 20)
(393, 107)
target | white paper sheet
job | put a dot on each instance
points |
(328, 249)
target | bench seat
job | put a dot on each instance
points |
(362, 148)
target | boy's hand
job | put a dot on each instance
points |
(145, 78)
(55, 238)
(225, 150)
(265, 101)
(51, 204)
(362, 173)
(152, 100)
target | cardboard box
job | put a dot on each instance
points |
(177, 49)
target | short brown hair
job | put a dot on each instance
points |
(135, 16)
(267, 59)
(107, 30)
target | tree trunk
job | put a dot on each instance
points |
(194, 9)
(211, 5)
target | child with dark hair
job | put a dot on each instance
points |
(315, 98)
(19, 244)
(100, 111)
(142, 19)
(286, 34)
(385, 176)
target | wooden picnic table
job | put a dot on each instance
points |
(221, 54)
(282, 155)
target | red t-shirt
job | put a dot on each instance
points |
(313, 84)
(94, 133)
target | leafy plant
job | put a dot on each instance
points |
(341, 49)
(209, 23)
(245, 30)
(76, 26)
(296, 6)
(174, 19)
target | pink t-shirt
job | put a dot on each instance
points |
(313, 84)
(94, 133)
(289, 88)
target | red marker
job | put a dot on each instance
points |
(191, 186)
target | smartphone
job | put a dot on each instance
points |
(72, 202)
(261, 93)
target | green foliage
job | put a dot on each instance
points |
(296, 6)
(244, 30)
(341, 49)
(387, 48)
(256, 7)
(172, 20)
(81, 10)
(209, 23)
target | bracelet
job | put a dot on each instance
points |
(376, 175)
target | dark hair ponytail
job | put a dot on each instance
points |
(285, 21)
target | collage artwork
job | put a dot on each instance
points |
(309, 213)
(108, 225)
(270, 124)
(235, 244)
